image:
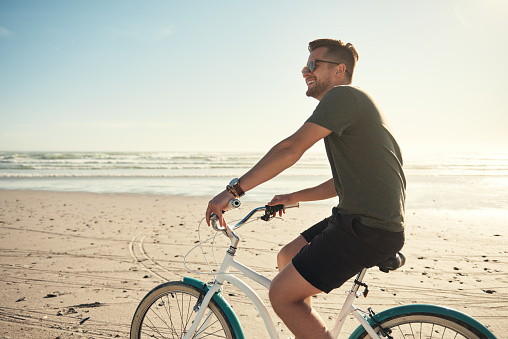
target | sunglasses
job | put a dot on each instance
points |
(312, 65)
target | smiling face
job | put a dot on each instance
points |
(324, 76)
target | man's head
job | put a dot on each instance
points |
(331, 63)
(338, 51)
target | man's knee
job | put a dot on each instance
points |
(273, 294)
(289, 286)
(287, 252)
(284, 257)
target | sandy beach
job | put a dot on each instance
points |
(75, 265)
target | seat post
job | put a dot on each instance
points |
(348, 306)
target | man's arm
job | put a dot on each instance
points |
(282, 156)
(323, 191)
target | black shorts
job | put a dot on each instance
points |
(340, 247)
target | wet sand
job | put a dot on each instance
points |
(75, 265)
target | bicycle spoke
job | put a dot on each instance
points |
(152, 327)
(411, 328)
(401, 333)
(203, 329)
(168, 311)
(191, 313)
(170, 327)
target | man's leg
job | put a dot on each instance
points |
(287, 253)
(288, 294)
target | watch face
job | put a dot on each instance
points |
(233, 182)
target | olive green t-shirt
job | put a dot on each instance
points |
(365, 159)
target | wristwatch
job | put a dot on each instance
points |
(235, 189)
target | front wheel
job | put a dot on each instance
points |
(427, 325)
(168, 311)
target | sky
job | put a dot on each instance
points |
(224, 76)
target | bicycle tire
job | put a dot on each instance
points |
(426, 325)
(168, 311)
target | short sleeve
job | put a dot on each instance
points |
(337, 110)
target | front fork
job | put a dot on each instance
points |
(205, 296)
(201, 306)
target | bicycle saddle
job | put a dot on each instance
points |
(391, 264)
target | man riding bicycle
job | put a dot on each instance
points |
(367, 226)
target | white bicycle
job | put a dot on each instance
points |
(193, 309)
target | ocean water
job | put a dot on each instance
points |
(448, 181)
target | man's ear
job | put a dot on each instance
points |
(340, 69)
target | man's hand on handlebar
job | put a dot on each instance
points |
(217, 205)
(282, 199)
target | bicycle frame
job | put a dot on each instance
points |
(224, 275)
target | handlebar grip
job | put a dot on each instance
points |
(233, 203)
(277, 208)
(273, 209)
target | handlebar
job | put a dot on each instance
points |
(235, 203)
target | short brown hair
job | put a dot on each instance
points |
(339, 51)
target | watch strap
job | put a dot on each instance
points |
(236, 190)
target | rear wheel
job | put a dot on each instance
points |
(168, 311)
(426, 325)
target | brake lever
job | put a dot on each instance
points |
(268, 217)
